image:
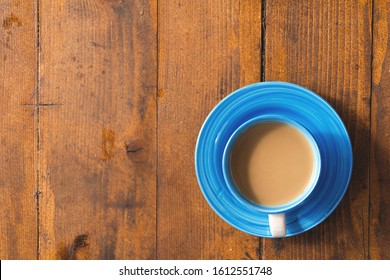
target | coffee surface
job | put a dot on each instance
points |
(272, 163)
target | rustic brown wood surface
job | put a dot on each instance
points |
(97, 119)
(102, 102)
(380, 135)
(206, 50)
(18, 147)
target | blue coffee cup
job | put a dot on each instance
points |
(299, 107)
(276, 214)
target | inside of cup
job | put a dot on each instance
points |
(227, 171)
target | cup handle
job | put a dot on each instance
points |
(277, 224)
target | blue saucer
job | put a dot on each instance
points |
(294, 102)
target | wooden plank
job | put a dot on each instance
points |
(206, 50)
(98, 129)
(380, 135)
(326, 47)
(18, 75)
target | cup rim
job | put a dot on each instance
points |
(230, 181)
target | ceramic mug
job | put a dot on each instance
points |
(276, 214)
(290, 103)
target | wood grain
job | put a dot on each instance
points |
(98, 128)
(326, 47)
(97, 120)
(380, 135)
(207, 49)
(18, 147)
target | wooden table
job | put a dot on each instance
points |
(102, 101)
